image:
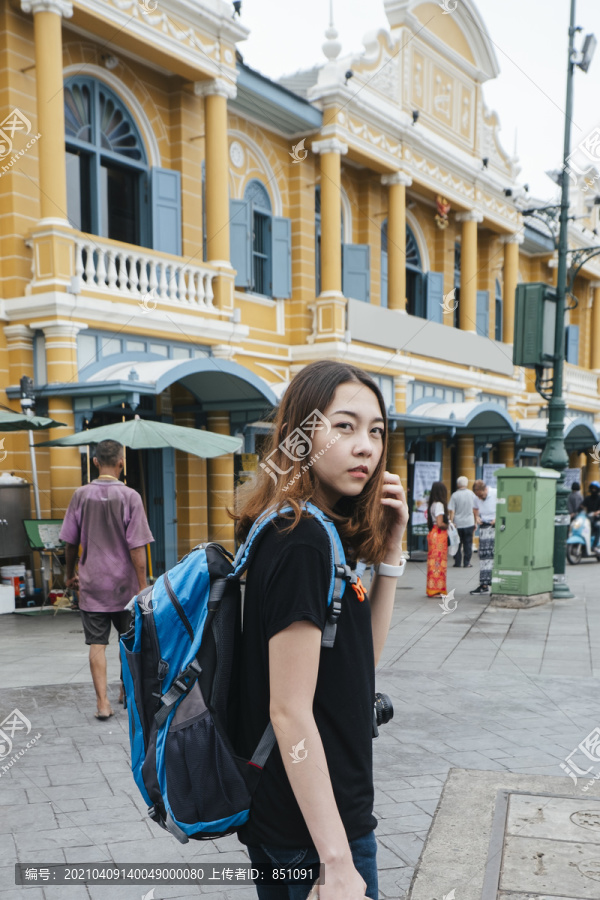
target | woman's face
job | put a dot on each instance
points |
(346, 457)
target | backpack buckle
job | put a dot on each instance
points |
(343, 571)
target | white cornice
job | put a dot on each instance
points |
(330, 145)
(216, 87)
(396, 178)
(60, 7)
(44, 309)
(471, 215)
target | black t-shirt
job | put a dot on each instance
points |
(288, 581)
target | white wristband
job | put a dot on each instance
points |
(391, 571)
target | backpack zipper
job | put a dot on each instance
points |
(178, 608)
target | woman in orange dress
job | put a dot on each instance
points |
(437, 540)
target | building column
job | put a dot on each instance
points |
(329, 310)
(506, 453)
(595, 331)
(511, 276)
(19, 345)
(47, 29)
(467, 309)
(396, 238)
(216, 93)
(220, 495)
(466, 457)
(191, 492)
(61, 368)
(331, 151)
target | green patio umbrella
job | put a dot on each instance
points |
(14, 421)
(144, 434)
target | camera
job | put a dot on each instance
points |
(383, 711)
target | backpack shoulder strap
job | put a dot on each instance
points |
(340, 571)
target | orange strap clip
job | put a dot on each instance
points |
(359, 588)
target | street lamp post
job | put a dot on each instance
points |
(555, 455)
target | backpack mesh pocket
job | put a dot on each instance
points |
(204, 783)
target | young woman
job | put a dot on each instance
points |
(314, 800)
(437, 540)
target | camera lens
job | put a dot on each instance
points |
(384, 711)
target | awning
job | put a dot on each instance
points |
(219, 384)
(488, 421)
(579, 433)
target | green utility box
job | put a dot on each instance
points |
(535, 324)
(524, 548)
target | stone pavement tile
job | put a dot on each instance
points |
(102, 752)
(92, 854)
(148, 850)
(393, 883)
(29, 841)
(101, 816)
(116, 891)
(468, 759)
(413, 794)
(12, 796)
(428, 806)
(69, 805)
(404, 824)
(62, 891)
(404, 847)
(18, 818)
(115, 830)
(67, 791)
(83, 773)
(17, 893)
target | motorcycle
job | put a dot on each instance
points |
(580, 544)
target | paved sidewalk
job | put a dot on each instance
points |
(478, 688)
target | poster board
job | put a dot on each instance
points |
(572, 475)
(489, 473)
(42, 534)
(425, 474)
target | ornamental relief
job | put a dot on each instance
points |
(376, 138)
(439, 91)
(148, 13)
(445, 179)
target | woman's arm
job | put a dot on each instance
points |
(439, 521)
(383, 587)
(293, 668)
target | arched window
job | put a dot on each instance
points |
(498, 306)
(258, 199)
(107, 167)
(415, 287)
(457, 269)
(415, 290)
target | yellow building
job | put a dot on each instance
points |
(180, 235)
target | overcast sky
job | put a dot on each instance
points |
(530, 39)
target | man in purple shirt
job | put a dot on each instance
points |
(107, 518)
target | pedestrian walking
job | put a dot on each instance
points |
(591, 504)
(107, 519)
(485, 516)
(461, 511)
(437, 540)
(314, 800)
(575, 499)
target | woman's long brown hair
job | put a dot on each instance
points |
(362, 521)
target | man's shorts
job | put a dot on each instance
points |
(96, 625)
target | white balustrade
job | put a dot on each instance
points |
(581, 381)
(139, 274)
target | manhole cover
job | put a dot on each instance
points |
(586, 819)
(590, 868)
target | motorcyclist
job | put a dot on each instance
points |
(591, 504)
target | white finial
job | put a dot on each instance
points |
(331, 48)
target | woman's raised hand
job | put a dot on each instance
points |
(394, 498)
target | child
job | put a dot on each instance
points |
(314, 800)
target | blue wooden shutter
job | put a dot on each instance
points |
(282, 257)
(169, 510)
(356, 271)
(482, 325)
(384, 279)
(166, 210)
(434, 296)
(572, 344)
(240, 236)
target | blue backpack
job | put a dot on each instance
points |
(181, 675)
